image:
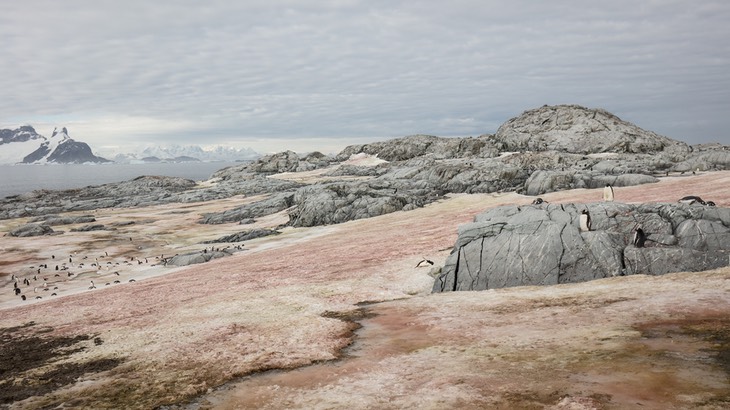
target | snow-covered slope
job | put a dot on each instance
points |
(16, 144)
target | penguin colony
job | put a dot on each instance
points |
(39, 278)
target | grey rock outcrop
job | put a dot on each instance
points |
(53, 220)
(541, 182)
(405, 148)
(273, 204)
(576, 129)
(89, 228)
(324, 204)
(543, 245)
(245, 236)
(193, 258)
(31, 230)
(286, 161)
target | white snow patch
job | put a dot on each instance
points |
(14, 152)
(603, 155)
(364, 160)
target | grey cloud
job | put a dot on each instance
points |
(367, 68)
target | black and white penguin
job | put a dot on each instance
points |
(608, 193)
(92, 285)
(538, 201)
(639, 238)
(22, 297)
(424, 262)
(691, 199)
(585, 221)
(710, 203)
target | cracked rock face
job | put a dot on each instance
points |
(543, 245)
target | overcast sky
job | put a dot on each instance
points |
(320, 75)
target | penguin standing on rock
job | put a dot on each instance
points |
(585, 221)
(539, 201)
(608, 193)
(639, 237)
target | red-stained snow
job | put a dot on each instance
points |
(183, 331)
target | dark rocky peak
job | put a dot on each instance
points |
(61, 133)
(62, 149)
(20, 134)
(580, 130)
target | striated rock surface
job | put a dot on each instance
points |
(405, 148)
(31, 230)
(245, 236)
(193, 258)
(543, 245)
(575, 129)
(53, 220)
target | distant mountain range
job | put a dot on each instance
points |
(184, 153)
(24, 145)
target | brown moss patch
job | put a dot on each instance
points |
(29, 361)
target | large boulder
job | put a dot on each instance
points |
(543, 245)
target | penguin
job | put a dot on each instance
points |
(424, 262)
(23, 297)
(608, 193)
(639, 238)
(710, 203)
(538, 201)
(691, 199)
(92, 285)
(585, 221)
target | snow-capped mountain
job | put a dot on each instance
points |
(62, 149)
(16, 144)
(172, 153)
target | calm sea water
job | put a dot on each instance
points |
(18, 179)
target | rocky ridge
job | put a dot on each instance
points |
(543, 150)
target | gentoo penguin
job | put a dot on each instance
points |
(639, 238)
(22, 297)
(691, 199)
(92, 285)
(608, 193)
(710, 203)
(585, 221)
(424, 262)
(538, 201)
